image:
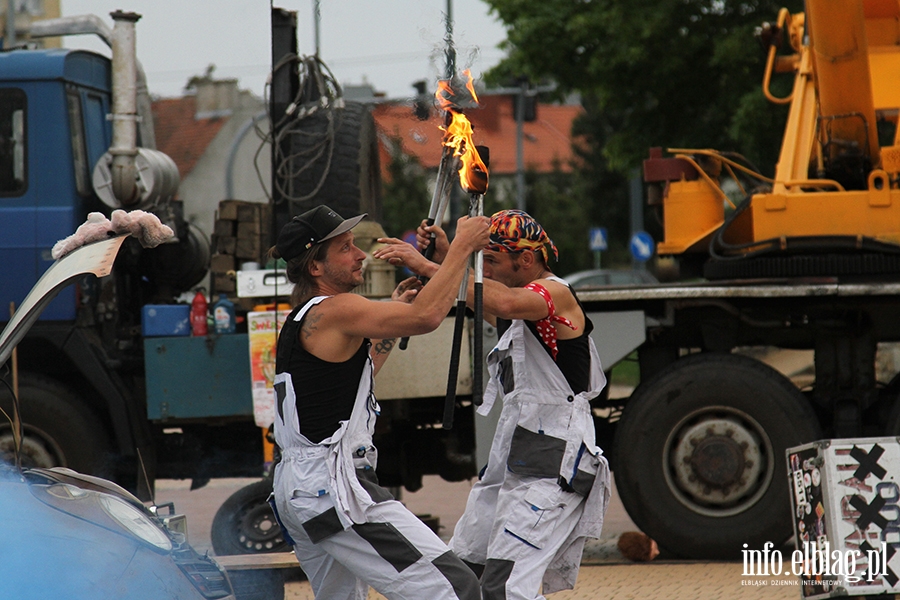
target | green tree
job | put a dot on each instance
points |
(682, 73)
(405, 195)
(555, 200)
(669, 73)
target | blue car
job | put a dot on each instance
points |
(594, 278)
(68, 535)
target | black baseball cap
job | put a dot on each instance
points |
(312, 227)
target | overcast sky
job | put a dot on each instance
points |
(387, 43)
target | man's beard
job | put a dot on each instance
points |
(344, 279)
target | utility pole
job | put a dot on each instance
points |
(636, 197)
(520, 143)
(448, 38)
(317, 16)
(10, 40)
(455, 202)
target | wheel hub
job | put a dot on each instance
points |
(716, 460)
(259, 532)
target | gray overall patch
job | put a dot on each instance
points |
(280, 394)
(582, 483)
(458, 574)
(389, 543)
(535, 454)
(476, 568)
(369, 480)
(322, 526)
(496, 574)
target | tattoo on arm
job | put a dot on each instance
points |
(385, 346)
(310, 323)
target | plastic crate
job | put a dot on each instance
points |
(164, 320)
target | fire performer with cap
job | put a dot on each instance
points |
(546, 485)
(348, 532)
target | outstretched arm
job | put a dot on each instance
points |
(401, 254)
(354, 316)
(406, 292)
(520, 303)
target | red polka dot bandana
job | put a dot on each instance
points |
(515, 230)
(545, 326)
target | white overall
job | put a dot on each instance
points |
(350, 533)
(519, 521)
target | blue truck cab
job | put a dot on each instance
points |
(82, 369)
(53, 128)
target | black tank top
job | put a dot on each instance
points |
(325, 391)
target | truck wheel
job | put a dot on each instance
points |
(700, 455)
(59, 430)
(335, 162)
(245, 523)
(891, 395)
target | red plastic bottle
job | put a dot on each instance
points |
(199, 309)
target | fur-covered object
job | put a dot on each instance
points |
(637, 546)
(144, 226)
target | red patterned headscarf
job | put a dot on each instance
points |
(515, 230)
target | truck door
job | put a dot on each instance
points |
(17, 216)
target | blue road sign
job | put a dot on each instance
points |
(598, 238)
(642, 246)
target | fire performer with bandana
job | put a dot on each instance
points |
(347, 531)
(546, 485)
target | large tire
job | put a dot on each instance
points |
(335, 161)
(245, 523)
(59, 429)
(700, 455)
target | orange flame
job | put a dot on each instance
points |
(446, 95)
(473, 173)
(470, 86)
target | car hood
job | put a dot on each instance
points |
(96, 258)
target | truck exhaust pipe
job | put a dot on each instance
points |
(124, 111)
(93, 25)
(126, 176)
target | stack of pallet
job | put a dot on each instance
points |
(241, 234)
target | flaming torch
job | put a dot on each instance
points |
(473, 178)
(447, 100)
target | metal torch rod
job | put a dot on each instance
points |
(439, 200)
(458, 328)
(478, 298)
(477, 199)
(441, 195)
(455, 351)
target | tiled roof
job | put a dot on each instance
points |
(547, 139)
(179, 134)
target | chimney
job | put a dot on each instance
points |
(216, 97)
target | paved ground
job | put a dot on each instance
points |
(605, 573)
(656, 581)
